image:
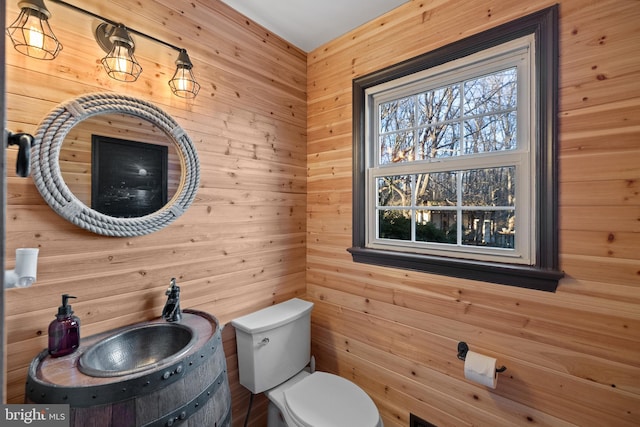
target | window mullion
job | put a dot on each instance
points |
(413, 207)
(459, 208)
(461, 118)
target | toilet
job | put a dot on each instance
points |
(274, 353)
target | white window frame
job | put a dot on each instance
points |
(519, 54)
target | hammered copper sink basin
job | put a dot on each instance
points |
(137, 349)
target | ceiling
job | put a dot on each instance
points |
(309, 24)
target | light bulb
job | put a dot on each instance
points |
(182, 83)
(36, 38)
(121, 62)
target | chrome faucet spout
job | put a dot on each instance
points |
(171, 311)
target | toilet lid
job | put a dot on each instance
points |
(326, 400)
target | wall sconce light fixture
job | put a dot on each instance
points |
(183, 83)
(120, 64)
(31, 33)
(26, 269)
(32, 36)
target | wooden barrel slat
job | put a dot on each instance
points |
(198, 395)
(121, 413)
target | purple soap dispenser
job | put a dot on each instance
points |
(64, 331)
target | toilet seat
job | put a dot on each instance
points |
(326, 400)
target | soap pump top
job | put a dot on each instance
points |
(65, 309)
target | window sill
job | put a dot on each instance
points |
(523, 276)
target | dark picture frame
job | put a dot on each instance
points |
(128, 178)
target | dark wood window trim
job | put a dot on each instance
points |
(545, 274)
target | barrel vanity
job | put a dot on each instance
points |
(150, 374)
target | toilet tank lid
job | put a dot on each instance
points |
(273, 316)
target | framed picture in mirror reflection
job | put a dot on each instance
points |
(128, 178)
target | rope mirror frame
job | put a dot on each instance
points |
(45, 155)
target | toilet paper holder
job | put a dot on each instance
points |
(463, 348)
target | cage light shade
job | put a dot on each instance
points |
(120, 63)
(183, 83)
(31, 33)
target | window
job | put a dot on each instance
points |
(455, 159)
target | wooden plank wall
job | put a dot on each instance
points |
(572, 356)
(240, 247)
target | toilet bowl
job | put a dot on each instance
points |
(321, 399)
(273, 357)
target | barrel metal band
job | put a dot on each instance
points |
(83, 397)
(188, 409)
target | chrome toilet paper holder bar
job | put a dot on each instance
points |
(463, 348)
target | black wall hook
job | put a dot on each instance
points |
(24, 142)
(463, 349)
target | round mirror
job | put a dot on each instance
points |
(114, 165)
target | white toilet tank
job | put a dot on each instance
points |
(273, 344)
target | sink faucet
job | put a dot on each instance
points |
(171, 311)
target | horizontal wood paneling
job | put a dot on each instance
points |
(571, 356)
(241, 245)
(276, 179)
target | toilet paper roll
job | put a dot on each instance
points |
(480, 369)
